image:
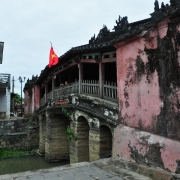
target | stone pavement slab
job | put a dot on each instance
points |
(78, 171)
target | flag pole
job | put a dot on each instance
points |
(51, 43)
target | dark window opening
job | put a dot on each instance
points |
(42, 92)
(49, 85)
(110, 72)
(91, 71)
(70, 75)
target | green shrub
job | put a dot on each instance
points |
(6, 153)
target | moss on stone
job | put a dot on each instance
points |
(6, 153)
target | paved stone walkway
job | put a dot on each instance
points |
(78, 171)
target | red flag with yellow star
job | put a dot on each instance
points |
(53, 58)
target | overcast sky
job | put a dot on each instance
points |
(28, 26)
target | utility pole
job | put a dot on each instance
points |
(21, 81)
(13, 93)
(13, 84)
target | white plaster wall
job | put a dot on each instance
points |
(3, 100)
(8, 103)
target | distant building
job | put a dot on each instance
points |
(5, 94)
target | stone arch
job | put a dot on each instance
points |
(110, 126)
(106, 137)
(83, 139)
(81, 113)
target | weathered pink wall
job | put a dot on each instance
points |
(133, 145)
(26, 103)
(31, 103)
(148, 73)
(138, 96)
(35, 98)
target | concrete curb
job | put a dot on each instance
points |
(155, 173)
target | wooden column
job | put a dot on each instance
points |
(80, 65)
(101, 78)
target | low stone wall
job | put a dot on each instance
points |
(13, 126)
(16, 134)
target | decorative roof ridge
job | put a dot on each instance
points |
(123, 29)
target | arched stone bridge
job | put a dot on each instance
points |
(92, 119)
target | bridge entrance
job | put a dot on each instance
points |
(105, 141)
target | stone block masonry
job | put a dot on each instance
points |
(17, 136)
(94, 148)
(42, 135)
(56, 145)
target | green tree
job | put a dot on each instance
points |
(69, 132)
(17, 98)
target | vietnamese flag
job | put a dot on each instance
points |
(53, 58)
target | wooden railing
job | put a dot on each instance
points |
(72, 88)
(109, 90)
(89, 87)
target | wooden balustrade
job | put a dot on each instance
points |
(65, 90)
(89, 87)
(109, 90)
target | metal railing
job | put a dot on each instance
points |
(89, 87)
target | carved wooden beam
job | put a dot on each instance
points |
(109, 60)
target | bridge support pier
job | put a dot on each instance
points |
(79, 150)
(73, 145)
(42, 135)
(57, 145)
(94, 145)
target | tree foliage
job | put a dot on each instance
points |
(18, 98)
(69, 132)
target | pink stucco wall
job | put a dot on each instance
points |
(139, 97)
(139, 93)
(125, 138)
(26, 103)
(31, 103)
(149, 97)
